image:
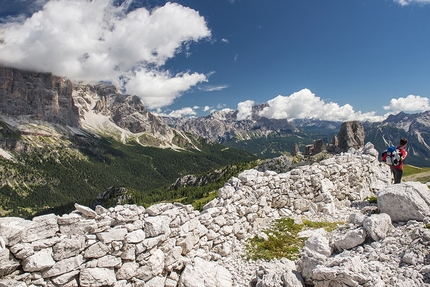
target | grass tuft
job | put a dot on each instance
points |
(282, 239)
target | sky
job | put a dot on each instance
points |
(323, 59)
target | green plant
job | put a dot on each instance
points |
(282, 239)
(427, 226)
(371, 199)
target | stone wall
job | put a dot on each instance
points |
(173, 244)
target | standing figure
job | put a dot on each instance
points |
(397, 170)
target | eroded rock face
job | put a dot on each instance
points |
(174, 245)
(351, 135)
(39, 95)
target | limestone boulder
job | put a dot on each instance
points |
(377, 226)
(405, 201)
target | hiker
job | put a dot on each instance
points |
(397, 170)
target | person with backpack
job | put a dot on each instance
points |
(397, 167)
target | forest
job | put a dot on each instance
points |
(53, 177)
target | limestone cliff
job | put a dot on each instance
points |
(40, 96)
(100, 108)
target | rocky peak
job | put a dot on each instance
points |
(351, 135)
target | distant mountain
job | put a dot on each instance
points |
(80, 108)
(414, 127)
(271, 138)
(64, 142)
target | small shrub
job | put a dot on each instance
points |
(371, 199)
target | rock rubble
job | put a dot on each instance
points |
(170, 244)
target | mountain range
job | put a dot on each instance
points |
(63, 142)
(272, 137)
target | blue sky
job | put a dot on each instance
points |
(327, 59)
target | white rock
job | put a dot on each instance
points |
(405, 201)
(97, 277)
(157, 225)
(86, 211)
(351, 239)
(64, 266)
(115, 234)
(377, 225)
(135, 236)
(205, 273)
(39, 261)
(8, 263)
(127, 271)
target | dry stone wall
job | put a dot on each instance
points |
(171, 244)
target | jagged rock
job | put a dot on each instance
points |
(351, 239)
(204, 273)
(377, 225)
(11, 283)
(39, 261)
(405, 201)
(351, 135)
(42, 227)
(155, 226)
(68, 247)
(97, 277)
(63, 266)
(96, 250)
(8, 263)
(86, 211)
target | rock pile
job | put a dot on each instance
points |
(174, 245)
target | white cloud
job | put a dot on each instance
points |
(224, 40)
(407, 2)
(158, 89)
(304, 104)
(187, 111)
(209, 88)
(95, 40)
(244, 110)
(411, 103)
(206, 108)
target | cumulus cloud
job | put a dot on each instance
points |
(187, 111)
(304, 104)
(244, 110)
(95, 40)
(206, 108)
(411, 103)
(407, 2)
(224, 40)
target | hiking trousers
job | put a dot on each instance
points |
(397, 173)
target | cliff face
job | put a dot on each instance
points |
(101, 108)
(41, 96)
(125, 111)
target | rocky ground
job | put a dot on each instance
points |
(383, 244)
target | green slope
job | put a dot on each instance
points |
(55, 176)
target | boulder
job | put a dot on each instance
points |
(377, 226)
(405, 201)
